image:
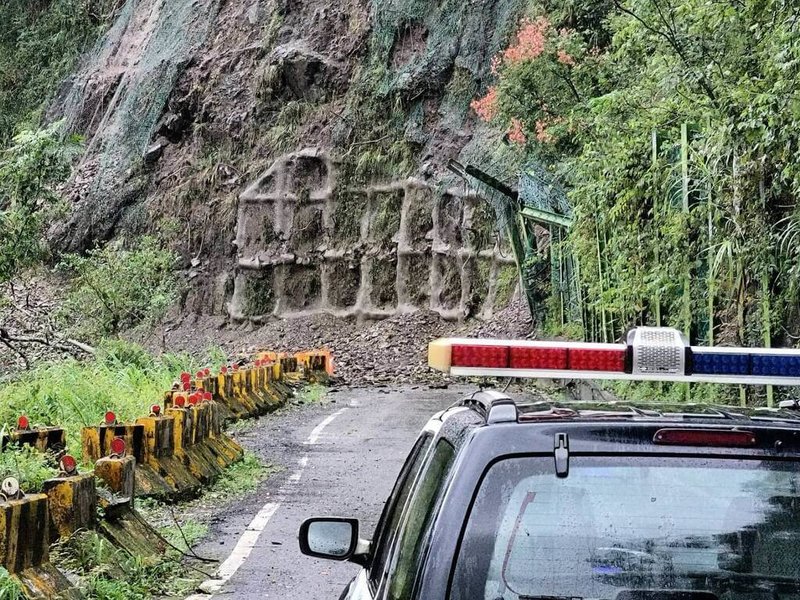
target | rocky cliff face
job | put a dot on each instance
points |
(295, 151)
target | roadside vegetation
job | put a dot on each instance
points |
(109, 573)
(122, 377)
(672, 127)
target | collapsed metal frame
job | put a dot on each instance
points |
(517, 213)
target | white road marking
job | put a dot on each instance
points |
(242, 550)
(317, 431)
(295, 477)
(250, 536)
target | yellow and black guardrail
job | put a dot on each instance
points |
(171, 453)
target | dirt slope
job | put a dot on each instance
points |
(294, 152)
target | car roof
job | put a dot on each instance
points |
(490, 407)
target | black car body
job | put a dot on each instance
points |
(506, 501)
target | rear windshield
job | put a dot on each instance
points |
(649, 529)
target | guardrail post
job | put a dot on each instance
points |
(73, 503)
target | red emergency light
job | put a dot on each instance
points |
(648, 354)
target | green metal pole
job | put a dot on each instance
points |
(656, 216)
(687, 281)
(767, 327)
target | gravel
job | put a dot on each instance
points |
(383, 353)
(386, 353)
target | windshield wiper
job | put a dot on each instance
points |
(551, 598)
(747, 577)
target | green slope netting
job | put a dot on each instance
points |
(139, 62)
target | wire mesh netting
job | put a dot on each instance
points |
(539, 188)
(135, 67)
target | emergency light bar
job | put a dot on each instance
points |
(650, 354)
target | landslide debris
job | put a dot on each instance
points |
(388, 352)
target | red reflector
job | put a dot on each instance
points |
(235, 367)
(180, 401)
(186, 376)
(155, 409)
(199, 374)
(583, 359)
(705, 437)
(538, 358)
(118, 446)
(194, 399)
(495, 357)
(110, 418)
(68, 464)
(187, 386)
(224, 370)
(207, 372)
(23, 422)
(207, 396)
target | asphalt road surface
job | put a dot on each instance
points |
(339, 458)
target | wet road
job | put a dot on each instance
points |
(339, 458)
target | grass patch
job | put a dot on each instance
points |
(240, 478)
(9, 589)
(106, 573)
(313, 393)
(185, 535)
(72, 394)
(28, 465)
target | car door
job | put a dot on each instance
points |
(365, 584)
(410, 545)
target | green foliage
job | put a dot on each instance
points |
(190, 532)
(9, 589)
(115, 289)
(39, 45)
(241, 477)
(108, 573)
(122, 378)
(700, 234)
(29, 169)
(28, 465)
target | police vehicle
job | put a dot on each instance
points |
(500, 500)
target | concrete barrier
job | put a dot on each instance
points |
(73, 504)
(96, 441)
(46, 582)
(25, 548)
(172, 454)
(46, 439)
(118, 475)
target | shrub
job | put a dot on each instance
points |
(29, 169)
(115, 289)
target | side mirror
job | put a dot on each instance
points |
(333, 538)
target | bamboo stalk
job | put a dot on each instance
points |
(600, 278)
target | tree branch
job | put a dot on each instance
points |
(16, 351)
(672, 40)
